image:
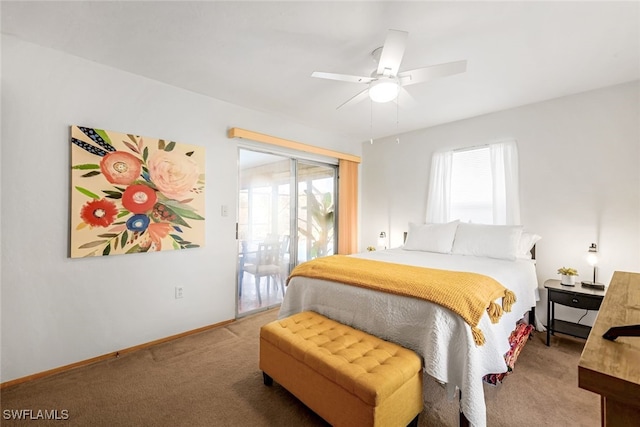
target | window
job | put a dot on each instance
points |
(479, 185)
(471, 189)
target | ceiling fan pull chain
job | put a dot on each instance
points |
(397, 119)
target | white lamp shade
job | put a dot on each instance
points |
(382, 240)
(384, 90)
(592, 255)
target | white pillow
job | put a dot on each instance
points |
(527, 240)
(493, 241)
(431, 237)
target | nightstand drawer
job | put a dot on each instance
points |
(582, 301)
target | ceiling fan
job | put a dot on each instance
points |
(386, 82)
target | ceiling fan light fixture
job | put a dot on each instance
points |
(384, 89)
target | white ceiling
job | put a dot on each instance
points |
(261, 54)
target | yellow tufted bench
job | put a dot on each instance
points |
(346, 376)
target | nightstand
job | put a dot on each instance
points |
(571, 296)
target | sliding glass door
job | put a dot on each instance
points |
(286, 215)
(316, 210)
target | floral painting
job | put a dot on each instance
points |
(132, 194)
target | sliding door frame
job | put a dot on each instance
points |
(348, 165)
(294, 195)
(336, 204)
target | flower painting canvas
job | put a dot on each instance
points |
(132, 194)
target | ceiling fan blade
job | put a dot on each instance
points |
(392, 52)
(360, 96)
(405, 100)
(342, 77)
(425, 74)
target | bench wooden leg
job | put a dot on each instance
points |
(268, 381)
(414, 422)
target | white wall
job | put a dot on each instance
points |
(57, 310)
(579, 179)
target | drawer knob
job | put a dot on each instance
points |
(575, 300)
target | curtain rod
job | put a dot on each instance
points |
(473, 147)
(488, 144)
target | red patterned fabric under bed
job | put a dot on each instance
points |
(517, 340)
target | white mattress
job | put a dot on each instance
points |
(441, 337)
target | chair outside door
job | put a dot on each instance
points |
(267, 264)
(285, 256)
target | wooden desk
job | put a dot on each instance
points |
(612, 368)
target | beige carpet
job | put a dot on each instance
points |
(212, 379)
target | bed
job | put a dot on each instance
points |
(441, 337)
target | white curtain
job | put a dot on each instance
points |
(506, 194)
(439, 199)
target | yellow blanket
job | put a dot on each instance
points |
(466, 294)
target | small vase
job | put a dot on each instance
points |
(568, 280)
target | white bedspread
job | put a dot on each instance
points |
(441, 337)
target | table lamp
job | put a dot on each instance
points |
(382, 240)
(592, 259)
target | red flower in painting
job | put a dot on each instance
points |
(120, 167)
(139, 198)
(99, 213)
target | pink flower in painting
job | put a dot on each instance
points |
(99, 213)
(173, 174)
(138, 198)
(120, 167)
